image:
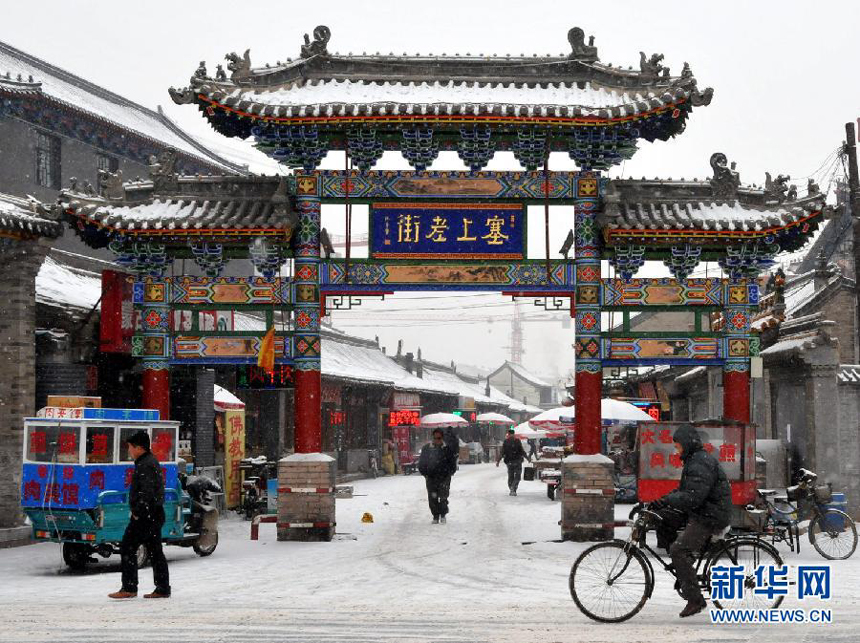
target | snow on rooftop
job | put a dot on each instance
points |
(357, 92)
(83, 95)
(61, 285)
(526, 375)
(798, 294)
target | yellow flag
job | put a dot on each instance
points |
(266, 358)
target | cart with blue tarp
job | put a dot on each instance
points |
(77, 474)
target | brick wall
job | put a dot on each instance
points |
(19, 264)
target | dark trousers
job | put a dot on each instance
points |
(682, 552)
(144, 532)
(515, 472)
(437, 495)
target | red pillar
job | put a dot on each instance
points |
(587, 403)
(156, 391)
(736, 396)
(308, 410)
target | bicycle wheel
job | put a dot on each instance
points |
(610, 582)
(750, 554)
(833, 534)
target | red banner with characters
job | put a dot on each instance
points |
(660, 465)
(234, 452)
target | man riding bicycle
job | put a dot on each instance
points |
(705, 498)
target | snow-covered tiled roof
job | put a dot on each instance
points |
(347, 97)
(19, 216)
(189, 203)
(523, 374)
(182, 214)
(63, 286)
(849, 373)
(39, 78)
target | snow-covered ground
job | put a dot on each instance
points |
(491, 574)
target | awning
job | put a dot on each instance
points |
(226, 401)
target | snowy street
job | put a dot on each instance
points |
(399, 578)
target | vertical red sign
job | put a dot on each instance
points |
(117, 312)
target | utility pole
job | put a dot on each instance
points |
(854, 204)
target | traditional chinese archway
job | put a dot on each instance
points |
(447, 231)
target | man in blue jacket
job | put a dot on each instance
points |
(437, 463)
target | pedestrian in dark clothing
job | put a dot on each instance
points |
(437, 463)
(513, 454)
(146, 501)
(705, 496)
(533, 449)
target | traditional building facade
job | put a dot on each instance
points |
(451, 230)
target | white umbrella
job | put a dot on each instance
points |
(441, 420)
(611, 410)
(496, 418)
(525, 432)
(559, 418)
(621, 411)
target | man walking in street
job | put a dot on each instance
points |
(146, 501)
(437, 463)
(513, 454)
(705, 496)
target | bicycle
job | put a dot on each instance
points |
(831, 532)
(611, 581)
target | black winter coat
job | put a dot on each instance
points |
(440, 461)
(704, 493)
(146, 494)
(513, 451)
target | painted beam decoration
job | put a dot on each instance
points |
(677, 350)
(373, 185)
(225, 349)
(206, 291)
(170, 336)
(372, 276)
(448, 231)
(663, 292)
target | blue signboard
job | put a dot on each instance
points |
(448, 231)
(74, 486)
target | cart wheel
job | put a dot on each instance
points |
(550, 491)
(76, 556)
(142, 557)
(205, 544)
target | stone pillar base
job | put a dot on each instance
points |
(588, 498)
(306, 491)
(15, 536)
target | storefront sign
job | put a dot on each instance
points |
(447, 230)
(405, 400)
(234, 452)
(405, 417)
(250, 376)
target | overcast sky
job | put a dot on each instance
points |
(785, 76)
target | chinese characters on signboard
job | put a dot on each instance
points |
(250, 376)
(658, 459)
(446, 230)
(234, 452)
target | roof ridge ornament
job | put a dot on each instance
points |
(581, 51)
(241, 67)
(726, 180)
(778, 188)
(318, 47)
(650, 68)
(162, 170)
